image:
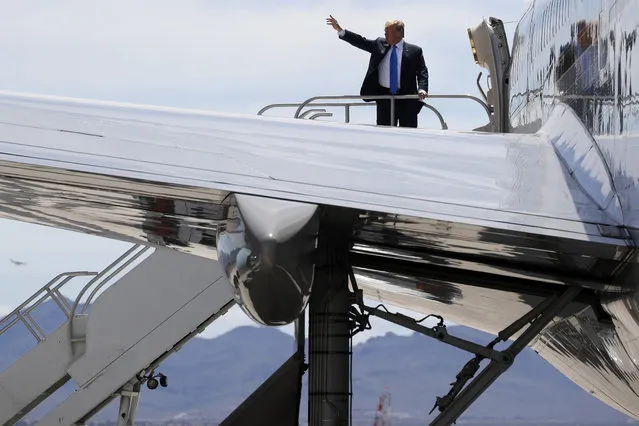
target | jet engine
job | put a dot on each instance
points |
(266, 248)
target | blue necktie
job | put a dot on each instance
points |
(393, 71)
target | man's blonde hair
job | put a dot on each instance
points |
(397, 24)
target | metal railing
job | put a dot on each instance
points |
(51, 290)
(112, 270)
(321, 112)
(347, 105)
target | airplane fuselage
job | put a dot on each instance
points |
(583, 54)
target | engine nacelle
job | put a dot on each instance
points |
(267, 249)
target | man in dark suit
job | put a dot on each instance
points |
(395, 68)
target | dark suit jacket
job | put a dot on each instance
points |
(414, 74)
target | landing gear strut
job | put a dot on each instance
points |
(329, 393)
(129, 398)
(460, 396)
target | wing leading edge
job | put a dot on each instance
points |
(515, 180)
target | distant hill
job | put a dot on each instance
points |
(208, 378)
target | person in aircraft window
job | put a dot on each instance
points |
(395, 67)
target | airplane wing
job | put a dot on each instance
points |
(510, 206)
(476, 227)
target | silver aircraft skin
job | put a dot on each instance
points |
(475, 226)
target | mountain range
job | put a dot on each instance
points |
(208, 378)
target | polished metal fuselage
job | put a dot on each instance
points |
(583, 54)
(474, 226)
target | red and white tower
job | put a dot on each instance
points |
(382, 415)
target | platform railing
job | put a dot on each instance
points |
(321, 112)
(348, 105)
(51, 290)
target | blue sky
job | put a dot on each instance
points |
(216, 55)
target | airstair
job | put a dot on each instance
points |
(111, 342)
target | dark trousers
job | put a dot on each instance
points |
(405, 111)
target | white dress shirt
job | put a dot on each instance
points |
(384, 65)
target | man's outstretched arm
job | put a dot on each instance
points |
(350, 37)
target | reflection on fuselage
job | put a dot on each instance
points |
(581, 53)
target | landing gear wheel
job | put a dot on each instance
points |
(152, 383)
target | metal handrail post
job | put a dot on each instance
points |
(25, 321)
(36, 326)
(64, 301)
(438, 114)
(392, 110)
(53, 294)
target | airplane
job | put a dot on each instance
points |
(525, 228)
(18, 262)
